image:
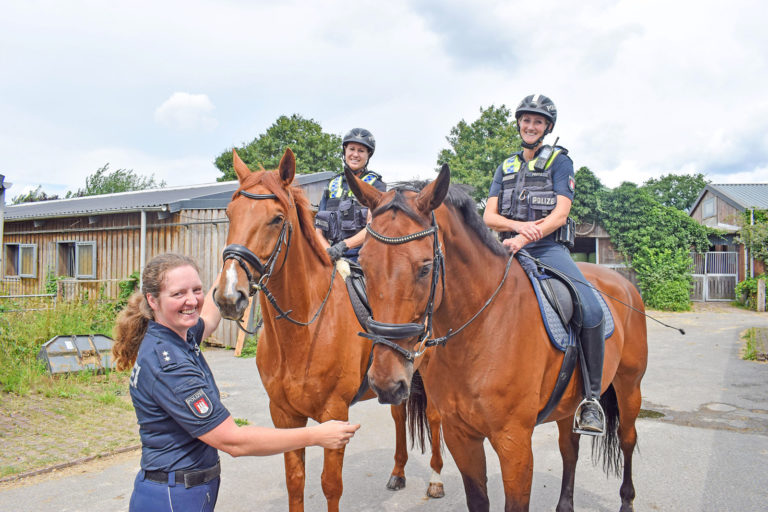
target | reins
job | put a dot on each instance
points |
(245, 258)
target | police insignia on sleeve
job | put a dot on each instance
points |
(199, 403)
(571, 183)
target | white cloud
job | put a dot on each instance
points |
(643, 89)
(187, 111)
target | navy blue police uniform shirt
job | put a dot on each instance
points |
(562, 179)
(176, 400)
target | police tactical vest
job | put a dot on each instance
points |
(344, 215)
(527, 190)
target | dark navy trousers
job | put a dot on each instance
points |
(151, 496)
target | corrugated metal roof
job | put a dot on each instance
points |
(754, 195)
(169, 199)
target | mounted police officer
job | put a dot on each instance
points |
(182, 422)
(529, 203)
(341, 219)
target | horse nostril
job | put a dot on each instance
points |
(242, 301)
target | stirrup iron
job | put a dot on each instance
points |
(577, 415)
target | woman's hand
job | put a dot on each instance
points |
(334, 434)
(530, 230)
(515, 243)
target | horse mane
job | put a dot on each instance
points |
(457, 198)
(288, 197)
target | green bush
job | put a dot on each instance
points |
(746, 291)
(127, 287)
(664, 278)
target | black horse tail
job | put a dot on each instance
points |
(416, 413)
(607, 447)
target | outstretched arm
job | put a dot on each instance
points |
(255, 440)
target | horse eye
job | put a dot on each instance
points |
(277, 220)
(425, 270)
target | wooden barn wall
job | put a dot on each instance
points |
(200, 234)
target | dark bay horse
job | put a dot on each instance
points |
(492, 378)
(310, 367)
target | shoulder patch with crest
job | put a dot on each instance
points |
(199, 403)
(571, 183)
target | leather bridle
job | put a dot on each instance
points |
(384, 333)
(245, 258)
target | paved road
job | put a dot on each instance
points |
(708, 453)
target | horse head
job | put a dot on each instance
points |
(401, 257)
(261, 218)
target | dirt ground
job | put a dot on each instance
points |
(43, 433)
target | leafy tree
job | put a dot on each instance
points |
(315, 150)
(104, 181)
(655, 239)
(586, 201)
(34, 196)
(676, 190)
(754, 233)
(477, 148)
(635, 220)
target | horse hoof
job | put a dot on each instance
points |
(435, 490)
(396, 483)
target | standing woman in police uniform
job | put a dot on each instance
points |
(182, 422)
(341, 219)
(529, 203)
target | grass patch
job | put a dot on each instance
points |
(648, 413)
(755, 344)
(241, 422)
(249, 347)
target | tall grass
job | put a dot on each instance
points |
(22, 333)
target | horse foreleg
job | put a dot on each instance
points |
(331, 478)
(569, 451)
(469, 455)
(294, 479)
(513, 446)
(435, 489)
(294, 461)
(397, 478)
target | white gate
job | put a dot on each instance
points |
(715, 275)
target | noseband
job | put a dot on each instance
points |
(384, 333)
(245, 258)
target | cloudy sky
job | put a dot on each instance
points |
(163, 87)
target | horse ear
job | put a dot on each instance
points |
(433, 194)
(368, 195)
(287, 167)
(241, 169)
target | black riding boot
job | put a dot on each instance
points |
(590, 418)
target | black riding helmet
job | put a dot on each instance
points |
(361, 136)
(537, 104)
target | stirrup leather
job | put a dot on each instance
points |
(577, 415)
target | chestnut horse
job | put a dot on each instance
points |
(495, 370)
(311, 360)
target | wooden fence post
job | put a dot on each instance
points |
(761, 295)
(240, 334)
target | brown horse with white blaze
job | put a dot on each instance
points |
(310, 357)
(495, 369)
